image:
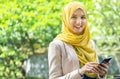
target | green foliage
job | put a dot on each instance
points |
(11, 64)
(25, 23)
(104, 22)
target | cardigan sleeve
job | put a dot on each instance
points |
(55, 64)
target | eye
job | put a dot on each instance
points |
(74, 17)
(83, 17)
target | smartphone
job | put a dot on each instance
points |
(106, 60)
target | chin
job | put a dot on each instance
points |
(78, 32)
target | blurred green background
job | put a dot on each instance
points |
(28, 26)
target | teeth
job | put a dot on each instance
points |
(78, 27)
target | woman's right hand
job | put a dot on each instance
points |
(88, 67)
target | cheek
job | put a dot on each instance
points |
(71, 23)
(84, 22)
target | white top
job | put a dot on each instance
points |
(63, 61)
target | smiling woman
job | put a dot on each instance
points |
(72, 54)
(78, 21)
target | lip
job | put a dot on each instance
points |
(79, 27)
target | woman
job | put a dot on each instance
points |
(72, 54)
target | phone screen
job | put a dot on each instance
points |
(106, 60)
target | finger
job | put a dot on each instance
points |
(94, 63)
(88, 70)
(108, 63)
(104, 66)
(103, 73)
(102, 69)
(98, 69)
(95, 70)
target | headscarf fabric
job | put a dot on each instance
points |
(81, 42)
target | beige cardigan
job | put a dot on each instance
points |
(63, 61)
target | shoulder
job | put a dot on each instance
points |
(56, 42)
(60, 43)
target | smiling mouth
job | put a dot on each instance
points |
(78, 27)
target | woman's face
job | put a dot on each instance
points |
(78, 21)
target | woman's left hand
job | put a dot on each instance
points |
(101, 69)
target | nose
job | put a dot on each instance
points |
(79, 21)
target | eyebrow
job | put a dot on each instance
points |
(76, 15)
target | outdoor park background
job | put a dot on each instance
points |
(28, 26)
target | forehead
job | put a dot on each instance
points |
(79, 12)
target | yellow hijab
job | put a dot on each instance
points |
(81, 42)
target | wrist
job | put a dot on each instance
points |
(80, 72)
